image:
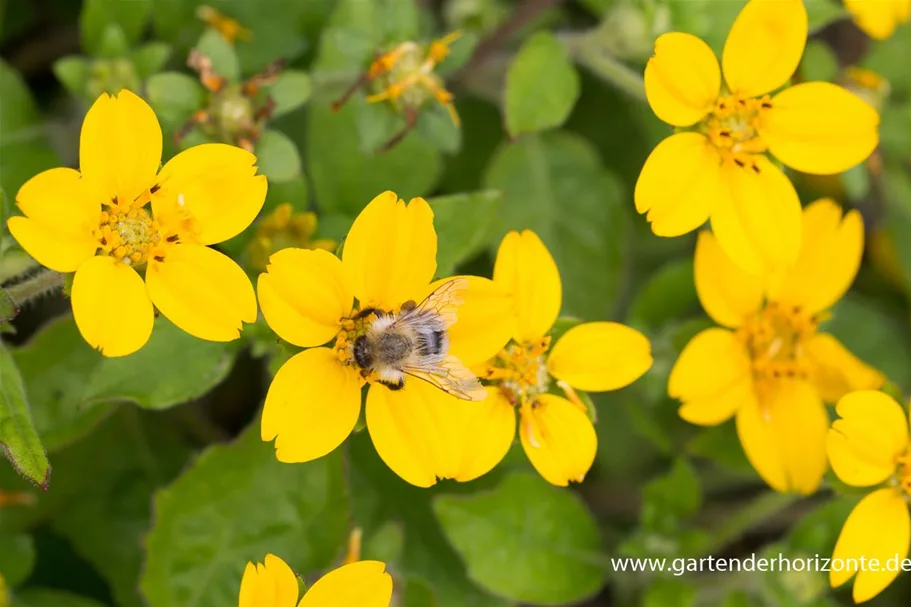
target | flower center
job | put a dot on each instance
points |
(128, 234)
(732, 126)
(521, 371)
(775, 338)
(903, 472)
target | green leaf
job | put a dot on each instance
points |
(277, 156)
(668, 294)
(821, 13)
(721, 445)
(290, 90)
(73, 73)
(174, 97)
(435, 126)
(223, 57)
(554, 184)
(817, 531)
(418, 593)
(236, 504)
(150, 58)
(51, 597)
(72, 386)
(668, 499)
(525, 540)
(17, 430)
(886, 56)
(17, 559)
(541, 86)
(463, 223)
(669, 593)
(114, 43)
(819, 62)
(97, 15)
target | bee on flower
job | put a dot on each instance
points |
(771, 366)
(879, 18)
(273, 584)
(554, 426)
(868, 446)
(383, 323)
(137, 236)
(406, 78)
(721, 168)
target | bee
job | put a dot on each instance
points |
(414, 342)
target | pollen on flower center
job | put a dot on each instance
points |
(128, 234)
(521, 370)
(775, 339)
(731, 126)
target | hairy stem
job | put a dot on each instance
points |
(33, 287)
(586, 51)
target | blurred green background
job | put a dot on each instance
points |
(161, 489)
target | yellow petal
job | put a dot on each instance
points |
(217, 185)
(202, 291)
(682, 79)
(879, 18)
(864, 444)
(303, 295)
(819, 128)
(600, 356)
(784, 436)
(485, 321)
(390, 252)
(728, 294)
(272, 584)
(712, 377)
(836, 371)
(50, 247)
(489, 430)
(526, 269)
(878, 528)
(558, 439)
(119, 147)
(764, 46)
(365, 584)
(111, 306)
(312, 406)
(830, 254)
(249, 587)
(679, 184)
(757, 222)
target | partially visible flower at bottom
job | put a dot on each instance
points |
(869, 446)
(281, 229)
(273, 584)
(879, 18)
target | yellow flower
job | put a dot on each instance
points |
(556, 432)
(771, 366)
(720, 170)
(879, 18)
(273, 584)
(229, 28)
(868, 447)
(307, 297)
(97, 222)
(284, 228)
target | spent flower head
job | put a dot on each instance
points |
(721, 168)
(383, 323)
(771, 365)
(879, 18)
(119, 219)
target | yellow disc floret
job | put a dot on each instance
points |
(732, 127)
(521, 370)
(775, 339)
(128, 233)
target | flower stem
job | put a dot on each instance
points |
(586, 50)
(15, 296)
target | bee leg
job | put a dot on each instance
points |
(367, 312)
(394, 385)
(408, 306)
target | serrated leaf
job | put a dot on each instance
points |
(277, 156)
(97, 15)
(150, 58)
(463, 224)
(525, 540)
(73, 74)
(51, 597)
(223, 56)
(72, 386)
(17, 559)
(290, 90)
(554, 184)
(18, 436)
(542, 86)
(236, 504)
(174, 97)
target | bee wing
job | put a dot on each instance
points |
(450, 376)
(443, 302)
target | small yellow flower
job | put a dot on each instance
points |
(771, 366)
(273, 584)
(721, 170)
(556, 432)
(283, 228)
(868, 446)
(229, 28)
(879, 18)
(307, 297)
(98, 223)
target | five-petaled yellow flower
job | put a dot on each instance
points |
(869, 447)
(879, 18)
(720, 169)
(771, 366)
(97, 222)
(273, 584)
(308, 298)
(556, 432)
